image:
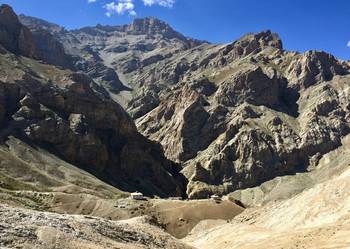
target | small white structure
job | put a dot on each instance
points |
(137, 196)
(175, 198)
(215, 198)
(225, 198)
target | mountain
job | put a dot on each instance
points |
(89, 115)
(251, 112)
(143, 42)
(234, 115)
(49, 39)
(70, 115)
(15, 37)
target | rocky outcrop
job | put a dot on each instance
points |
(71, 124)
(52, 50)
(145, 102)
(127, 50)
(47, 42)
(14, 36)
(105, 76)
(33, 23)
(46, 229)
(152, 26)
(9, 96)
(252, 43)
(48, 39)
(246, 114)
(91, 132)
(72, 116)
(253, 86)
(315, 66)
(179, 122)
(253, 147)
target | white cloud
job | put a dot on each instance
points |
(163, 3)
(120, 7)
(132, 13)
(348, 44)
(91, 1)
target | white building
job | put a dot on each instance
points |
(137, 196)
(215, 198)
(175, 198)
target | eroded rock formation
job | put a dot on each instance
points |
(72, 116)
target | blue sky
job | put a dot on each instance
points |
(302, 24)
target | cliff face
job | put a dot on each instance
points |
(14, 36)
(71, 116)
(60, 48)
(105, 52)
(248, 112)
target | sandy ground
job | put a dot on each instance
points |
(254, 237)
(316, 218)
(27, 229)
(38, 180)
(176, 217)
(180, 217)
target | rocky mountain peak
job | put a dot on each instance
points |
(260, 39)
(252, 43)
(154, 26)
(149, 25)
(140, 26)
(8, 15)
(267, 38)
(13, 35)
(315, 66)
(35, 23)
